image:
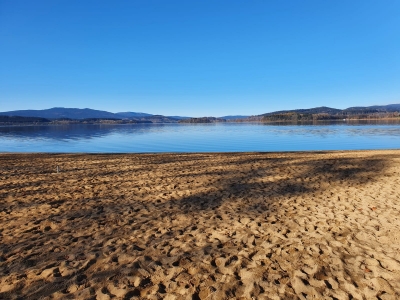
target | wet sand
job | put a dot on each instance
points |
(309, 225)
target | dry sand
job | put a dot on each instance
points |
(201, 226)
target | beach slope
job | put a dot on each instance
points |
(307, 225)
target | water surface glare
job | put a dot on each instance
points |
(229, 137)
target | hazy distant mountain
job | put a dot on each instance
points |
(179, 117)
(136, 115)
(158, 119)
(203, 120)
(234, 117)
(61, 112)
(130, 114)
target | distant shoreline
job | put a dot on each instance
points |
(134, 122)
(332, 120)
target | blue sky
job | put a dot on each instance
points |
(198, 58)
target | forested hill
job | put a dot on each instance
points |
(328, 113)
(17, 119)
(61, 112)
(58, 113)
(335, 111)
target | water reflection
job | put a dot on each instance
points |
(337, 122)
(221, 137)
(75, 132)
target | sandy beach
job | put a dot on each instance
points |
(309, 225)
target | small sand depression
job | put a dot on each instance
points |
(323, 225)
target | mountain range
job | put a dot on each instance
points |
(87, 113)
(73, 113)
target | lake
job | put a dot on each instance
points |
(220, 137)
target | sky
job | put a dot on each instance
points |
(198, 58)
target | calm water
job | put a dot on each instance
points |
(199, 137)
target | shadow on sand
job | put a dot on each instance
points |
(141, 225)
